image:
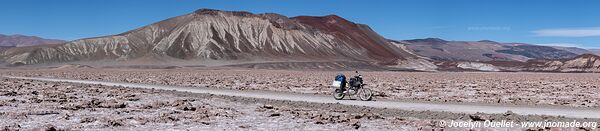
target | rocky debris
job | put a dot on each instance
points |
(88, 120)
(275, 114)
(477, 117)
(461, 87)
(113, 122)
(42, 112)
(109, 104)
(268, 106)
(50, 127)
(509, 113)
(95, 107)
(323, 117)
(88, 104)
(11, 127)
(184, 105)
(94, 103)
(355, 125)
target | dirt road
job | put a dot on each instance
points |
(571, 112)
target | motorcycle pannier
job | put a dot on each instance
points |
(336, 83)
(338, 80)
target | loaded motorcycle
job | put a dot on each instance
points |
(354, 87)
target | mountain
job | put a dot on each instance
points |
(581, 63)
(485, 50)
(595, 51)
(212, 36)
(488, 55)
(271, 41)
(537, 51)
(576, 50)
(22, 40)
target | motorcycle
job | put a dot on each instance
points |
(354, 87)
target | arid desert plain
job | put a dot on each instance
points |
(33, 104)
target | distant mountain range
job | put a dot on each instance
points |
(594, 51)
(22, 40)
(486, 50)
(489, 55)
(582, 63)
(271, 41)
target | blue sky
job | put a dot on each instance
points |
(549, 22)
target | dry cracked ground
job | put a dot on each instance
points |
(27, 104)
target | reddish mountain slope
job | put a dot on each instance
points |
(210, 35)
(356, 34)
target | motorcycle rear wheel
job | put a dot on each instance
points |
(365, 94)
(338, 94)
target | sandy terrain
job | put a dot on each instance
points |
(567, 89)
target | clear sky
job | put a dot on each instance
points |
(550, 22)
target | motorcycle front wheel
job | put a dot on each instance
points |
(365, 94)
(338, 94)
